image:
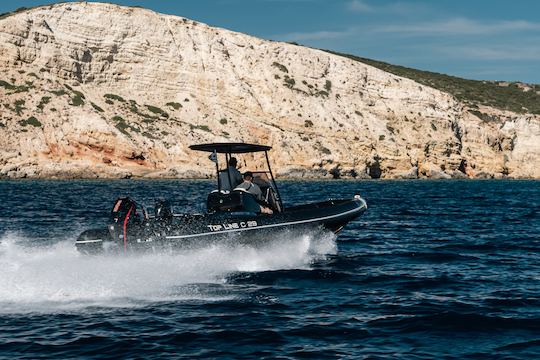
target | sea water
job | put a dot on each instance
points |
(433, 269)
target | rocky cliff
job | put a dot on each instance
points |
(99, 90)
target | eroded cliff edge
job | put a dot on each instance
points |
(99, 90)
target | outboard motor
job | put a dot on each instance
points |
(123, 214)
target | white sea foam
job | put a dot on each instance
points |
(58, 278)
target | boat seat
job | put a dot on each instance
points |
(237, 200)
(220, 191)
(223, 201)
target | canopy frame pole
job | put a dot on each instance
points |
(217, 171)
(227, 159)
(273, 180)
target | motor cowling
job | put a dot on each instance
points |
(124, 214)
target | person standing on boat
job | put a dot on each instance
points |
(253, 189)
(231, 173)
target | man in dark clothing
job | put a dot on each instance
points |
(235, 176)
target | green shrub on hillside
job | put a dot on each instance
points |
(19, 106)
(328, 85)
(114, 97)
(289, 82)
(200, 127)
(157, 110)
(325, 150)
(58, 92)
(281, 67)
(96, 107)
(473, 92)
(6, 85)
(121, 124)
(44, 101)
(77, 100)
(16, 88)
(31, 121)
(174, 105)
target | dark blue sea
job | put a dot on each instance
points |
(432, 270)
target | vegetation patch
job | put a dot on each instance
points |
(223, 121)
(77, 99)
(79, 94)
(44, 101)
(31, 121)
(174, 105)
(289, 82)
(280, 67)
(114, 97)
(58, 92)
(328, 85)
(149, 135)
(19, 106)
(157, 110)
(15, 88)
(121, 125)
(96, 107)
(483, 116)
(135, 109)
(504, 96)
(324, 150)
(200, 127)
(308, 123)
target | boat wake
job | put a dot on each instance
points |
(56, 278)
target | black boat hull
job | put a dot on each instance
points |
(188, 231)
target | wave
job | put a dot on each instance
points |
(58, 278)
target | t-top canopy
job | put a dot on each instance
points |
(230, 148)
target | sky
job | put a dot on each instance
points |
(473, 39)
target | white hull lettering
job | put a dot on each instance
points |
(233, 226)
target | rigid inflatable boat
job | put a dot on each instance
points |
(231, 215)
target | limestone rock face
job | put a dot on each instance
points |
(99, 90)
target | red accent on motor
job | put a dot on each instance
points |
(125, 225)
